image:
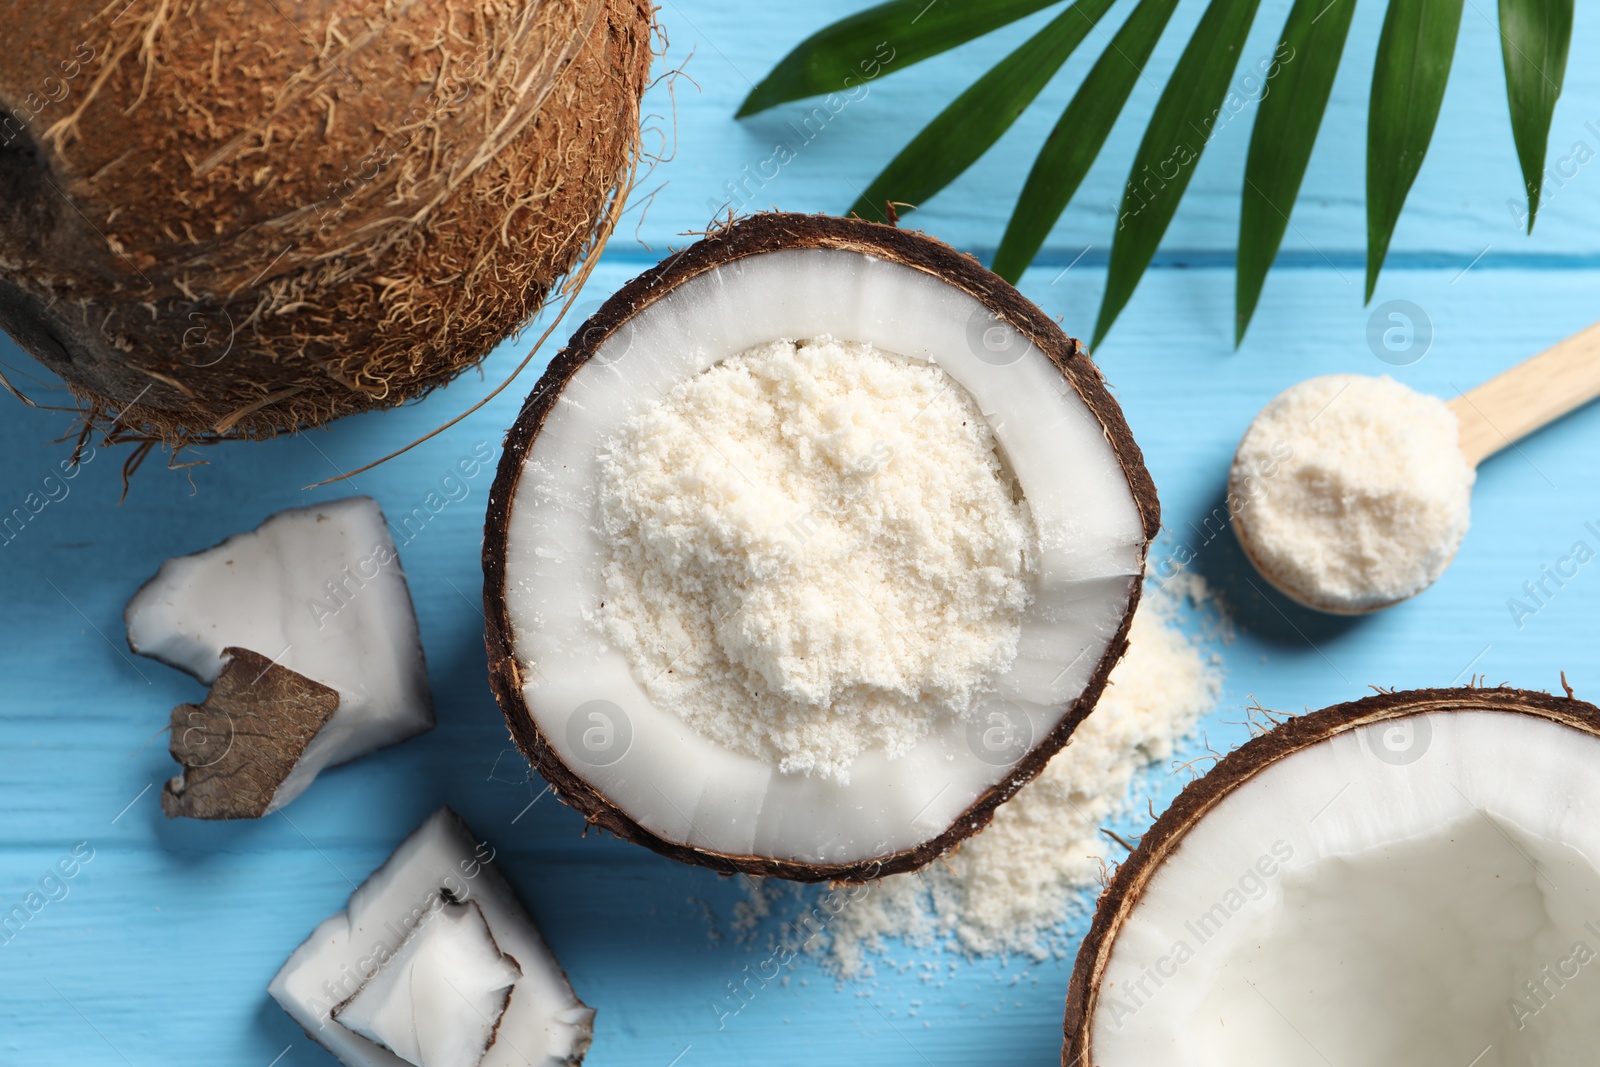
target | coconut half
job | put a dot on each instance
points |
(1406, 879)
(315, 593)
(435, 963)
(584, 719)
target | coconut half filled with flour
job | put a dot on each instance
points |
(1405, 879)
(810, 549)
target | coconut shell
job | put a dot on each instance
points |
(238, 746)
(1203, 794)
(753, 236)
(218, 219)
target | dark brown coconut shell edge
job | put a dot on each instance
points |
(1199, 797)
(753, 236)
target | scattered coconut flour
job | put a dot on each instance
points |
(814, 550)
(1359, 492)
(1010, 888)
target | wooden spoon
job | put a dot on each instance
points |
(1533, 394)
(1495, 415)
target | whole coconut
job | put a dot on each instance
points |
(240, 217)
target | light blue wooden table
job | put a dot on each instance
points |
(161, 950)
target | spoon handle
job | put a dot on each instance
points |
(1534, 393)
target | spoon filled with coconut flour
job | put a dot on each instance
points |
(1351, 493)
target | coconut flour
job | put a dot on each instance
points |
(1352, 491)
(1011, 888)
(813, 551)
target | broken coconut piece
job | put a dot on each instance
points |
(832, 469)
(1405, 879)
(317, 591)
(437, 1001)
(420, 962)
(239, 746)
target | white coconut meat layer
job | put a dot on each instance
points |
(1421, 891)
(405, 957)
(436, 1002)
(318, 590)
(672, 779)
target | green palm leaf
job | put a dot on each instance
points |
(1183, 123)
(1408, 81)
(1410, 73)
(1280, 144)
(1534, 35)
(906, 31)
(1072, 146)
(966, 129)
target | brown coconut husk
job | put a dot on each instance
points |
(723, 245)
(219, 223)
(238, 746)
(1122, 894)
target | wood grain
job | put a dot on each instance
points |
(161, 950)
(1532, 394)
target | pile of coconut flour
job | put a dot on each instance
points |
(1358, 494)
(813, 552)
(1010, 888)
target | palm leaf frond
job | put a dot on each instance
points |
(892, 35)
(1415, 50)
(1534, 36)
(1073, 145)
(1179, 130)
(1414, 56)
(1287, 122)
(977, 118)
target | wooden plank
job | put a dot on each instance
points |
(167, 938)
(162, 947)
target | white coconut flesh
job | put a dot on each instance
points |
(672, 780)
(318, 590)
(1416, 892)
(420, 962)
(436, 1002)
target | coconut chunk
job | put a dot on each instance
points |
(437, 1001)
(239, 746)
(434, 962)
(318, 591)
